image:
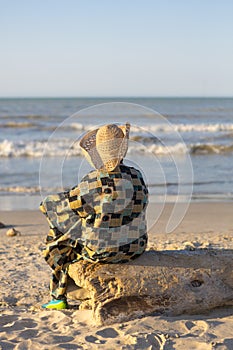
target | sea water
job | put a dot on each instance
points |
(183, 146)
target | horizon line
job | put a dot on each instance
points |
(114, 96)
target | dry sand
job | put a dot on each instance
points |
(25, 276)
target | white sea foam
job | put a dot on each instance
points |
(20, 189)
(37, 149)
(152, 128)
(205, 127)
(28, 189)
(83, 127)
(13, 124)
(178, 148)
(64, 148)
(167, 127)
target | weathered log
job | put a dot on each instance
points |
(168, 282)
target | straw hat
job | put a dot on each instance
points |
(105, 147)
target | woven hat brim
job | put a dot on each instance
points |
(89, 147)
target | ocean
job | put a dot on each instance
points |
(183, 146)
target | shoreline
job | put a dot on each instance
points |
(198, 218)
(31, 202)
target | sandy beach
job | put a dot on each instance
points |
(25, 278)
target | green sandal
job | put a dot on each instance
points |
(56, 305)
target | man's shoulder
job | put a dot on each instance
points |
(130, 170)
(93, 174)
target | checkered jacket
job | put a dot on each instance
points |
(104, 212)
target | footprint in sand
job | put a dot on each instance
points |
(28, 334)
(5, 345)
(197, 328)
(102, 336)
(108, 333)
(135, 340)
(146, 341)
(15, 329)
(95, 340)
(12, 323)
(5, 320)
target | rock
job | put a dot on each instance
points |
(13, 232)
(2, 225)
(168, 282)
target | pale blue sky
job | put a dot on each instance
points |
(116, 48)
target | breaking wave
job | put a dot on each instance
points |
(63, 148)
(16, 125)
(154, 128)
(168, 127)
(37, 149)
(20, 189)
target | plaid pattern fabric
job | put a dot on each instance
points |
(101, 219)
(59, 256)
